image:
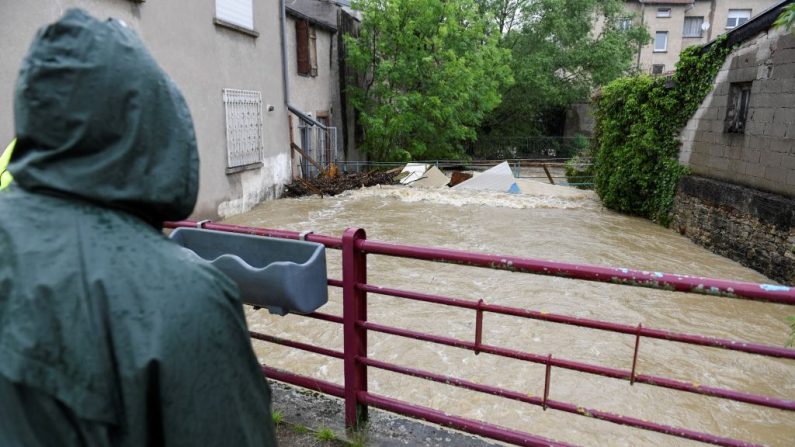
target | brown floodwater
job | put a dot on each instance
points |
(554, 223)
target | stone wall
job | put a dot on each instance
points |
(763, 155)
(755, 228)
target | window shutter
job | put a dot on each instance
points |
(302, 46)
(312, 51)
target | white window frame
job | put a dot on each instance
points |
(238, 13)
(664, 12)
(662, 69)
(625, 23)
(700, 30)
(665, 48)
(243, 127)
(737, 15)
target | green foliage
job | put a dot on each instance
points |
(300, 429)
(638, 120)
(278, 417)
(787, 17)
(325, 434)
(430, 70)
(579, 169)
(558, 59)
(358, 437)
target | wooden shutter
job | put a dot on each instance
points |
(302, 46)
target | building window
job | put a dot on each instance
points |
(693, 27)
(235, 12)
(661, 41)
(737, 17)
(306, 48)
(737, 109)
(243, 127)
(657, 69)
(663, 12)
(625, 23)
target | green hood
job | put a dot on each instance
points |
(97, 119)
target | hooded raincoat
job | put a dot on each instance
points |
(109, 333)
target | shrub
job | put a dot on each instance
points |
(638, 121)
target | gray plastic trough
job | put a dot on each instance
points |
(279, 274)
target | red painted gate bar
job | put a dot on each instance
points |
(355, 248)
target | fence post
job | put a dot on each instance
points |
(354, 309)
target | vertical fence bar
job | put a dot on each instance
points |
(547, 375)
(635, 355)
(354, 309)
(478, 327)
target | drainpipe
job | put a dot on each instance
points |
(712, 7)
(285, 78)
(642, 24)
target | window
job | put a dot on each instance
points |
(737, 109)
(657, 69)
(693, 27)
(663, 12)
(625, 23)
(661, 41)
(243, 127)
(737, 17)
(306, 48)
(235, 12)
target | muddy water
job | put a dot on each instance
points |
(554, 223)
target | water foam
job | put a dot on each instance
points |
(568, 200)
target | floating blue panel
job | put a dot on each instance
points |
(281, 275)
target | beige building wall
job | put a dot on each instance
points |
(203, 58)
(713, 12)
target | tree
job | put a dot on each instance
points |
(558, 59)
(431, 70)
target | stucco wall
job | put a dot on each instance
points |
(764, 156)
(203, 59)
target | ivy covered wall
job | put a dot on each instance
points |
(638, 121)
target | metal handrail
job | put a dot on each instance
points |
(355, 247)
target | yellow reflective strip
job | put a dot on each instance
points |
(5, 176)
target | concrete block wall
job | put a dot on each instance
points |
(764, 156)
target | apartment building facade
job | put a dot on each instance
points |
(677, 24)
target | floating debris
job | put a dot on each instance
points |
(331, 186)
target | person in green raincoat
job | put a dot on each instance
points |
(110, 334)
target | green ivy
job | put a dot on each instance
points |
(638, 121)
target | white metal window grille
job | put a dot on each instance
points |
(737, 17)
(625, 23)
(661, 41)
(243, 127)
(693, 27)
(236, 12)
(663, 12)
